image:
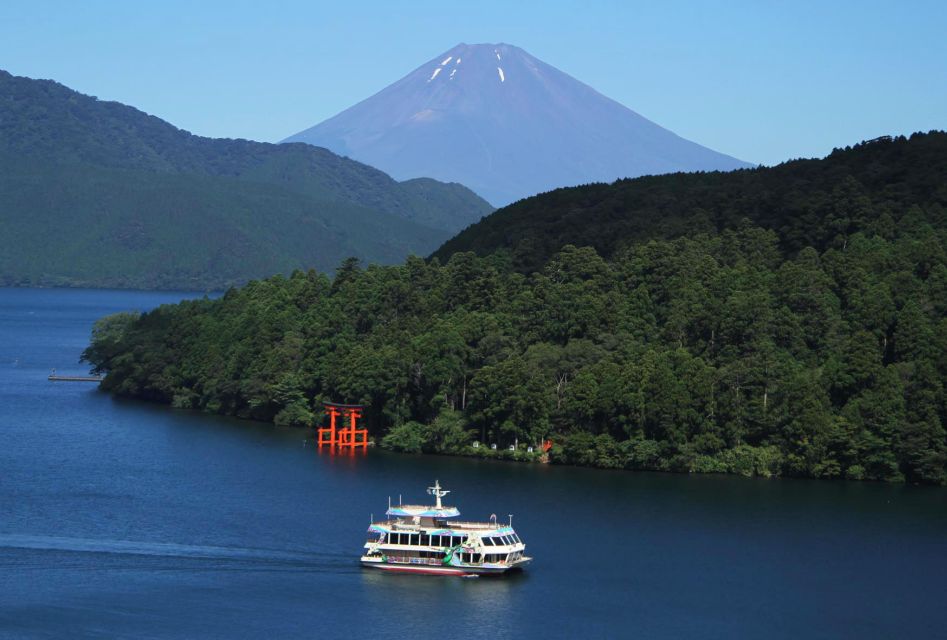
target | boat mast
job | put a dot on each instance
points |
(437, 492)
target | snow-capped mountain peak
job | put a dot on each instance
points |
(507, 125)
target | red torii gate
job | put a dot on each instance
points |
(344, 437)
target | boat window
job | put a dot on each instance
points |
(425, 540)
(478, 558)
(516, 538)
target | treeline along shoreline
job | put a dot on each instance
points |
(777, 331)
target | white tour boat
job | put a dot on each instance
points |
(422, 539)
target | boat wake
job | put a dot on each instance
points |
(275, 558)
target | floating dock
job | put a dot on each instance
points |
(54, 377)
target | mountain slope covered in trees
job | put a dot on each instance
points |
(809, 203)
(743, 349)
(98, 193)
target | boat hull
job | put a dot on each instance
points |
(439, 570)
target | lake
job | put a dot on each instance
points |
(124, 519)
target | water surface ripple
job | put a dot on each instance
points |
(124, 519)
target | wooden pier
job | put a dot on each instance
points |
(54, 377)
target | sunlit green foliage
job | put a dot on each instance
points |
(96, 193)
(721, 352)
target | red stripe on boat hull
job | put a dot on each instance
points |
(399, 568)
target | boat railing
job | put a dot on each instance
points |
(474, 525)
(454, 525)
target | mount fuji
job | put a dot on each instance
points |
(507, 125)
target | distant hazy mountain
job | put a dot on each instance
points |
(100, 194)
(507, 125)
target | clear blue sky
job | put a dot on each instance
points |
(764, 81)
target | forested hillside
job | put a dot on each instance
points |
(746, 349)
(809, 203)
(98, 193)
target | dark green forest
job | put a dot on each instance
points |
(808, 203)
(799, 330)
(96, 193)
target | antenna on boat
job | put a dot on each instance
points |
(437, 492)
(511, 520)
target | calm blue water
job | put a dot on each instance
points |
(121, 519)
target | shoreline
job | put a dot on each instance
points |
(507, 456)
